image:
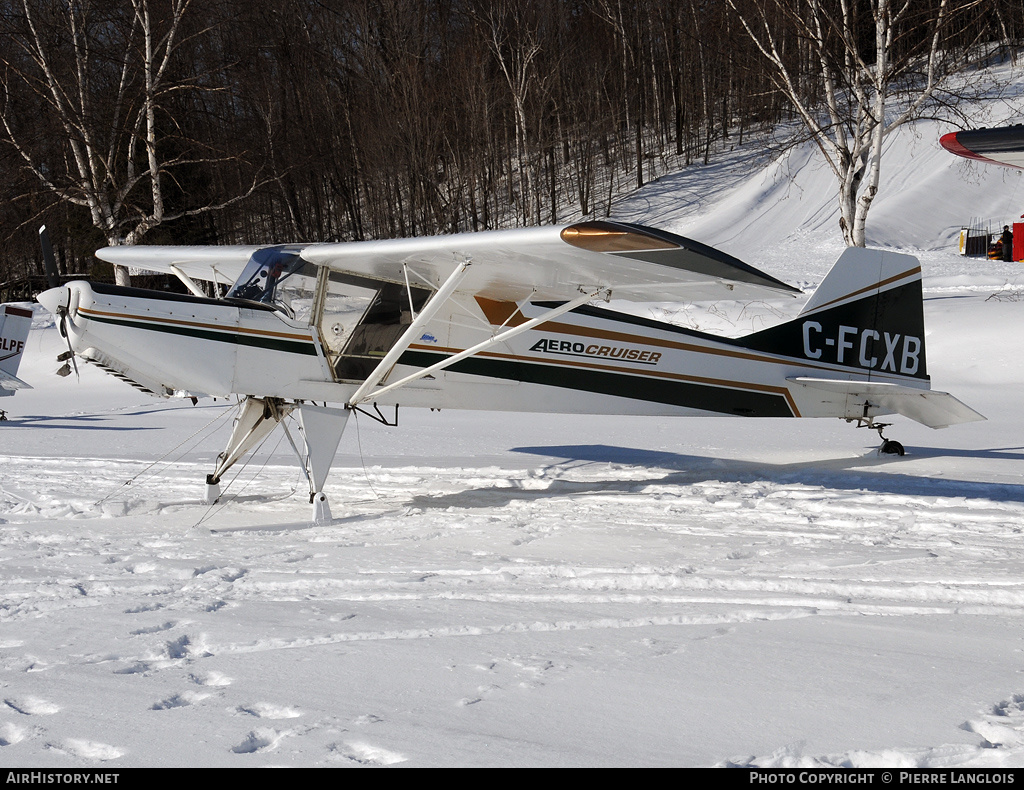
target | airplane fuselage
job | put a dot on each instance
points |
(592, 360)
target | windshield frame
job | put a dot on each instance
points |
(263, 274)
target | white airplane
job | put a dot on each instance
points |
(14, 325)
(501, 320)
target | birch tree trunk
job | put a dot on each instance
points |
(515, 47)
(865, 92)
(105, 88)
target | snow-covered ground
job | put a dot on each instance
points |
(547, 590)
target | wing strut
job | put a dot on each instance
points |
(361, 396)
(188, 282)
(412, 333)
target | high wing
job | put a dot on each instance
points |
(552, 263)
(213, 264)
(568, 265)
(541, 264)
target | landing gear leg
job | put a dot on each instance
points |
(257, 418)
(888, 446)
(321, 430)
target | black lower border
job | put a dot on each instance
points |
(690, 395)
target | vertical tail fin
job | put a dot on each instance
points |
(14, 325)
(858, 344)
(866, 318)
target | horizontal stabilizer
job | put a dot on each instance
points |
(9, 382)
(934, 409)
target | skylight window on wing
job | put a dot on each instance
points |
(613, 237)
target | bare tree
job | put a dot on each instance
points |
(123, 120)
(515, 43)
(103, 76)
(874, 65)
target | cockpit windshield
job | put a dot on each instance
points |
(277, 276)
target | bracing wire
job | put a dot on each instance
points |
(362, 461)
(221, 502)
(141, 472)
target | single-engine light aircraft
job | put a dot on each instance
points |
(14, 325)
(501, 320)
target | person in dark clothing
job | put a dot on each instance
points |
(1007, 239)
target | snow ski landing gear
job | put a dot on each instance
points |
(321, 430)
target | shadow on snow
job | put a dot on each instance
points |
(685, 470)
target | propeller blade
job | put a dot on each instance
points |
(49, 262)
(64, 331)
(65, 356)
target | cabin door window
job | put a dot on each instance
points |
(360, 319)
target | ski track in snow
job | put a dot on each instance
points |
(781, 521)
(732, 549)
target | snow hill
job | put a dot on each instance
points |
(779, 211)
(509, 590)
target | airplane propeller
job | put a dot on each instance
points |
(53, 281)
(69, 355)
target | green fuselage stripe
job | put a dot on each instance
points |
(691, 395)
(227, 336)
